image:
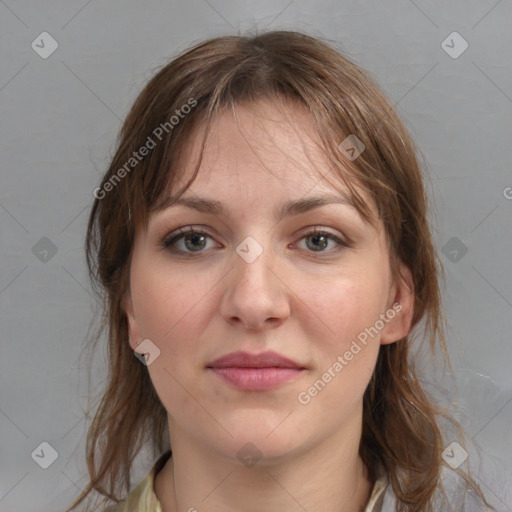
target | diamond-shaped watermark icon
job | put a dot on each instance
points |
(146, 351)
(44, 250)
(249, 249)
(44, 45)
(45, 455)
(454, 249)
(351, 147)
(454, 45)
(249, 455)
(454, 455)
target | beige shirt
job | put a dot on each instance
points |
(143, 498)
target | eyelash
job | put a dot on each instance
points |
(170, 240)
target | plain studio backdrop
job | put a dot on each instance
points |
(69, 72)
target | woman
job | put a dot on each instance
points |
(262, 239)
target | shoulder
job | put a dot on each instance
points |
(114, 508)
(455, 494)
(452, 493)
(142, 498)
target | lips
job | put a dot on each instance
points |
(246, 360)
(255, 372)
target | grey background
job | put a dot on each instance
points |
(60, 118)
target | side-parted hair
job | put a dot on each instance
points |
(400, 423)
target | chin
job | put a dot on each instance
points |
(263, 441)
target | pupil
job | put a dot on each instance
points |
(318, 238)
(195, 238)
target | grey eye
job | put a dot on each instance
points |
(317, 241)
(195, 241)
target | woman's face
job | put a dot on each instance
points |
(256, 278)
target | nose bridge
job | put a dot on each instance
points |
(252, 264)
(253, 294)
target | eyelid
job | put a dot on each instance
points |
(182, 231)
(342, 238)
(341, 245)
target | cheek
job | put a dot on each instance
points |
(346, 306)
(171, 313)
(346, 348)
(168, 305)
(346, 354)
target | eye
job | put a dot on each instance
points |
(318, 241)
(188, 240)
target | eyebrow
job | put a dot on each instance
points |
(293, 207)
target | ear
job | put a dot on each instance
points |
(400, 308)
(133, 328)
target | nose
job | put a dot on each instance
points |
(255, 295)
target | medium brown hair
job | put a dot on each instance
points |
(400, 423)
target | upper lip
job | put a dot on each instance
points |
(247, 360)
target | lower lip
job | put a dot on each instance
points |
(257, 379)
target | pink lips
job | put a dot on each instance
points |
(255, 372)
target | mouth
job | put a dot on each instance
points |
(255, 372)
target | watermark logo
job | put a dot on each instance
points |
(44, 250)
(454, 249)
(454, 455)
(44, 455)
(454, 45)
(352, 147)
(249, 455)
(249, 250)
(44, 45)
(146, 351)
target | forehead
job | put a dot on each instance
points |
(269, 149)
(256, 137)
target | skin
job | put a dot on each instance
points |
(291, 300)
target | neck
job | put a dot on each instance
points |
(328, 477)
